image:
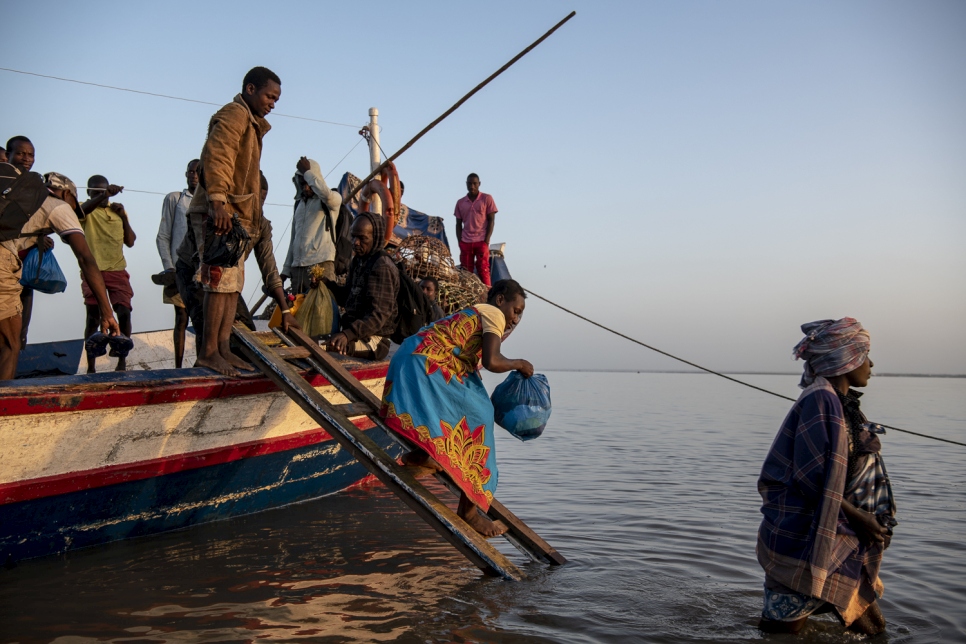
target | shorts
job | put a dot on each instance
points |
(224, 279)
(119, 291)
(10, 287)
(172, 296)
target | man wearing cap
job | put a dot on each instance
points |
(230, 187)
(108, 231)
(57, 214)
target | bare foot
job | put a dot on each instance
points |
(871, 622)
(235, 361)
(483, 525)
(419, 464)
(469, 513)
(419, 458)
(217, 363)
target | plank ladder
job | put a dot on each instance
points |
(272, 361)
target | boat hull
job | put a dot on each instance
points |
(86, 460)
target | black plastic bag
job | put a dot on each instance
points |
(228, 249)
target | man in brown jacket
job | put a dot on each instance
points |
(230, 185)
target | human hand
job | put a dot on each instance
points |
(284, 277)
(303, 165)
(338, 343)
(289, 322)
(109, 325)
(222, 218)
(868, 529)
(525, 368)
(113, 190)
(45, 243)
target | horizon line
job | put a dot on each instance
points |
(752, 373)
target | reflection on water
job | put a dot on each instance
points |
(645, 482)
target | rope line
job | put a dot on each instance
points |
(168, 96)
(712, 371)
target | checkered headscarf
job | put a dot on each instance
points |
(831, 348)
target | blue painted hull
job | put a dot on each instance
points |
(57, 524)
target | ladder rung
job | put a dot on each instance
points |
(354, 409)
(291, 353)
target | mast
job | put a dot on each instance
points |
(374, 157)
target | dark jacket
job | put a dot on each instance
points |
(370, 291)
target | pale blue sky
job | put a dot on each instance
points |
(705, 176)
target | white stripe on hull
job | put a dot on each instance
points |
(49, 444)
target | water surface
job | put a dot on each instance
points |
(645, 482)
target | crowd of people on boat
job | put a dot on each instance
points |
(827, 501)
(225, 184)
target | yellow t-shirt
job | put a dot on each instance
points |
(493, 319)
(105, 235)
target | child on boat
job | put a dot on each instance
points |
(434, 396)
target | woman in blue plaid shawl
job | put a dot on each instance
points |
(827, 502)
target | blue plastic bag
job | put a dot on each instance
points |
(522, 405)
(42, 275)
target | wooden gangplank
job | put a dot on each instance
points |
(364, 403)
(395, 477)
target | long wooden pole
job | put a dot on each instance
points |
(456, 105)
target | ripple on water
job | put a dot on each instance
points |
(646, 483)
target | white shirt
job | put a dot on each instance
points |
(174, 225)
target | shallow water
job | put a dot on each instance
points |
(645, 482)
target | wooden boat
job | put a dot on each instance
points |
(89, 459)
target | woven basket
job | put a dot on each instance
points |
(462, 289)
(424, 256)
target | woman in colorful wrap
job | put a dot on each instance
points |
(828, 505)
(434, 396)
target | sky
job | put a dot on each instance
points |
(702, 176)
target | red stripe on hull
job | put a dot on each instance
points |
(24, 401)
(113, 474)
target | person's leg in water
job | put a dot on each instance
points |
(27, 301)
(180, 328)
(871, 622)
(124, 321)
(9, 346)
(778, 626)
(93, 324)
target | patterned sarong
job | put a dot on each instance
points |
(435, 397)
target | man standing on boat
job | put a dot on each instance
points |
(108, 231)
(313, 227)
(475, 215)
(171, 232)
(229, 187)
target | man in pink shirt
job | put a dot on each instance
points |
(475, 215)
